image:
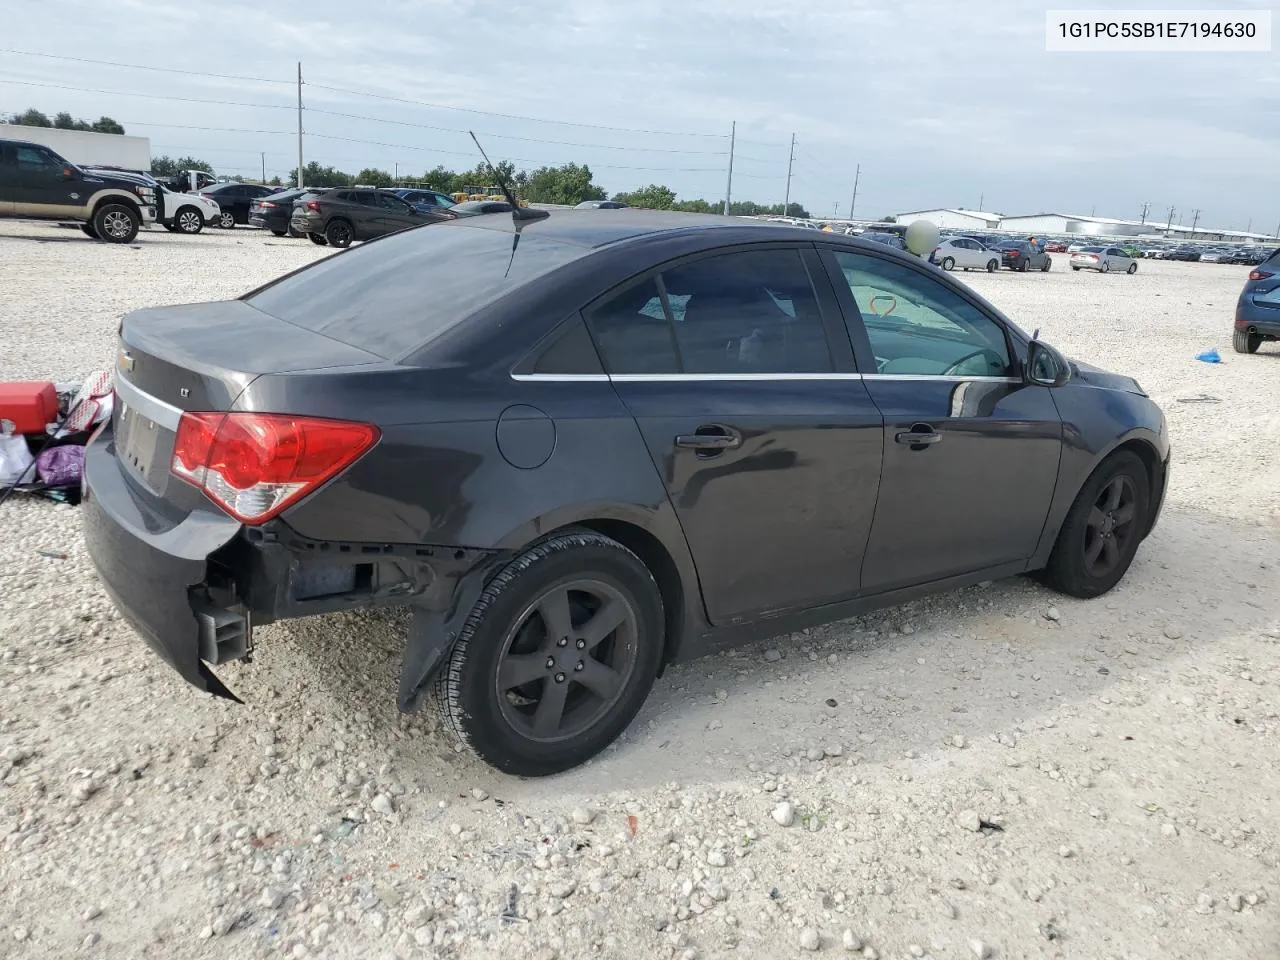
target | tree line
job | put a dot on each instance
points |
(63, 121)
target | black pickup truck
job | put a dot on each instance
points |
(37, 184)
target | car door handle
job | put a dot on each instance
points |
(920, 434)
(709, 439)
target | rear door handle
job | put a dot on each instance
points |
(710, 439)
(920, 435)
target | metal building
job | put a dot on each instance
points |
(953, 219)
(1066, 223)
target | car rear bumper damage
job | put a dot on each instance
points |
(195, 587)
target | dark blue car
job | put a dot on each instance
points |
(1258, 309)
(424, 201)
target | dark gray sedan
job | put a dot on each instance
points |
(596, 443)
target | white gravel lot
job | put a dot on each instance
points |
(829, 791)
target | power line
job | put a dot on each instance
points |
(511, 116)
(139, 66)
(507, 136)
(146, 96)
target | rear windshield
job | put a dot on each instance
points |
(391, 296)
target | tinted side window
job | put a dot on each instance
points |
(748, 312)
(34, 158)
(392, 202)
(571, 352)
(633, 334)
(917, 326)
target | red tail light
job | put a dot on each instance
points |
(253, 465)
(1260, 275)
(265, 204)
(313, 205)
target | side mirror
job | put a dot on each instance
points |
(1046, 367)
(68, 173)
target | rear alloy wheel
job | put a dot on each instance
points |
(339, 233)
(557, 656)
(1047, 264)
(1105, 267)
(318, 239)
(116, 223)
(1102, 530)
(948, 263)
(993, 266)
(1022, 265)
(189, 220)
(1133, 268)
(227, 220)
(1245, 342)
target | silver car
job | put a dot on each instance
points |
(1103, 259)
(967, 254)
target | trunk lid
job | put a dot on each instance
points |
(201, 357)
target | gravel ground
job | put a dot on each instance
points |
(996, 772)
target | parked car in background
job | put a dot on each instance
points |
(1055, 246)
(422, 200)
(1259, 255)
(1077, 245)
(186, 212)
(1186, 254)
(474, 208)
(1257, 317)
(38, 184)
(233, 200)
(369, 432)
(1215, 255)
(1103, 259)
(1022, 256)
(966, 254)
(895, 240)
(274, 212)
(602, 205)
(341, 216)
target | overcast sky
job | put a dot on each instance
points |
(942, 104)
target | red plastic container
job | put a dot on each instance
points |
(31, 405)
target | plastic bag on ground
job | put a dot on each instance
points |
(15, 456)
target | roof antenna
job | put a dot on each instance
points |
(518, 212)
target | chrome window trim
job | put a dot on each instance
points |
(714, 377)
(165, 414)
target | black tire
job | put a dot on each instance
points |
(339, 233)
(948, 263)
(1104, 267)
(116, 223)
(318, 239)
(1133, 268)
(1245, 342)
(1076, 269)
(89, 232)
(171, 227)
(493, 722)
(296, 234)
(279, 233)
(993, 266)
(1022, 266)
(188, 220)
(1047, 264)
(227, 220)
(1085, 531)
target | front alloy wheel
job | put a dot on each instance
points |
(226, 220)
(190, 220)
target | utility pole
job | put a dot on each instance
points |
(786, 203)
(1249, 226)
(299, 184)
(1195, 218)
(397, 171)
(857, 175)
(728, 187)
(1169, 226)
(981, 199)
(1092, 211)
(835, 210)
(1145, 207)
(264, 166)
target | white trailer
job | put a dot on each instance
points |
(86, 149)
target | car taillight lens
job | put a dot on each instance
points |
(265, 204)
(253, 465)
(1259, 275)
(312, 205)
